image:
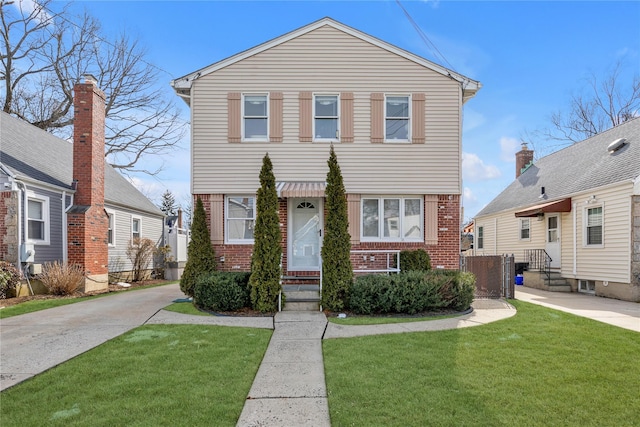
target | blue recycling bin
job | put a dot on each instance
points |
(519, 280)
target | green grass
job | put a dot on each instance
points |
(37, 305)
(153, 375)
(381, 320)
(185, 308)
(539, 368)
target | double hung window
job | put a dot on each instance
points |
(255, 117)
(135, 228)
(240, 214)
(480, 238)
(38, 219)
(111, 232)
(326, 118)
(396, 115)
(525, 224)
(392, 218)
(593, 226)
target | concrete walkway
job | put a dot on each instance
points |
(624, 314)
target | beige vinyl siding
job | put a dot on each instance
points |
(327, 60)
(612, 261)
(608, 263)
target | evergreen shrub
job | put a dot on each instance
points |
(9, 278)
(222, 291)
(200, 254)
(415, 260)
(412, 292)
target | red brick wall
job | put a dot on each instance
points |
(445, 254)
(87, 231)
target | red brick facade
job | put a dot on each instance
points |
(87, 220)
(443, 255)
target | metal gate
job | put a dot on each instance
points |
(495, 274)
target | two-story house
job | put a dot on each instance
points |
(394, 119)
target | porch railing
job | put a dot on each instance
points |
(375, 261)
(539, 259)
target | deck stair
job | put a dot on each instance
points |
(302, 293)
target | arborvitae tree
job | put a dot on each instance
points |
(265, 261)
(168, 203)
(337, 273)
(200, 256)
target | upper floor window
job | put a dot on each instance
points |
(326, 117)
(255, 117)
(38, 219)
(396, 114)
(525, 224)
(593, 226)
(135, 228)
(240, 216)
(480, 238)
(392, 218)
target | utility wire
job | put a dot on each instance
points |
(424, 37)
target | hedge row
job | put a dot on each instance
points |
(412, 292)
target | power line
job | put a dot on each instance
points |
(425, 39)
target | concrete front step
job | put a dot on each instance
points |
(301, 297)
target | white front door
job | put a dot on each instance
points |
(304, 234)
(553, 239)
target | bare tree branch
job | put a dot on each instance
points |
(43, 53)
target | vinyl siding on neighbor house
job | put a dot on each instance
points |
(329, 61)
(54, 249)
(607, 263)
(151, 228)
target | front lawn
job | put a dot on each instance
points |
(153, 375)
(539, 368)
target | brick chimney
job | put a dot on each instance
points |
(87, 221)
(523, 158)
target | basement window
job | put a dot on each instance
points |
(587, 286)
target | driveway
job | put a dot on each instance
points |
(624, 314)
(34, 342)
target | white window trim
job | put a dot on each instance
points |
(381, 237)
(585, 218)
(520, 229)
(226, 218)
(410, 112)
(113, 230)
(244, 137)
(337, 138)
(584, 283)
(478, 237)
(133, 218)
(45, 218)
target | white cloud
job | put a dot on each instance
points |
(29, 6)
(508, 149)
(474, 169)
(468, 197)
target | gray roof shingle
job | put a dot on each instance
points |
(574, 169)
(31, 153)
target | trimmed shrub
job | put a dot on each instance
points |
(412, 292)
(222, 291)
(416, 260)
(200, 254)
(9, 278)
(61, 278)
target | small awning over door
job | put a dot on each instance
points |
(563, 205)
(300, 189)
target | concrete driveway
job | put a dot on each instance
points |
(34, 342)
(624, 314)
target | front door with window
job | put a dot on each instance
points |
(304, 234)
(553, 239)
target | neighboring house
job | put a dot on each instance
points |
(576, 210)
(63, 202)
(394, 119)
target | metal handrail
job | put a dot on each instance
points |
(539, 260)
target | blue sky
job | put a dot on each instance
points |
(529, 56)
